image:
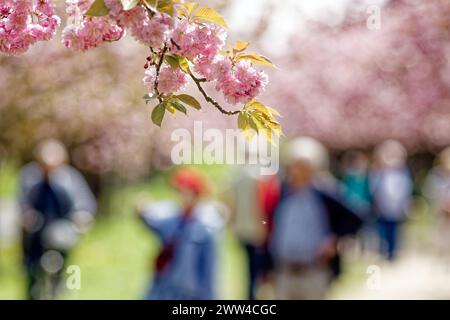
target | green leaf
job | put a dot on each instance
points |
(129, 4)
(177, 105)
(151, 4)
(184, 64)
(169, 107)
(253, 122)
(210, 15)
(166, 6)
(241, 46)
(273, 111)
(158, 113)
(98, 9)
(189, 100)
(244, 125)
(242, 121)
(190, 7)
(256, 59)
(265, 110)
(172, 61)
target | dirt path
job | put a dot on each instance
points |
(415, 275)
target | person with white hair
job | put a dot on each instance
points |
(57, 205)
(308, 222)
(391, 188)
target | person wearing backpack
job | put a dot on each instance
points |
(308, 222)
(185, 268)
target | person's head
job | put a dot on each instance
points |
(444, 159)
(305, 157)
(355, 161)
(191, 184)
(391, 154)
(50, 154)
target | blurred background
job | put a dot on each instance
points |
(338, 81)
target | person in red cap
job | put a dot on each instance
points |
(185, 268)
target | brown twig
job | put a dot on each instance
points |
(158, 69)
(209, 99)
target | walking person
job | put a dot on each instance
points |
(391, 187)
(437, 191)
(186, 266)
(57, 206)
(254, 196)
(308, 223)
(356, 192)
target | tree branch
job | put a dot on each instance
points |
(158, 69)
(209, 99)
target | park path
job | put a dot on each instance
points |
(417, 274)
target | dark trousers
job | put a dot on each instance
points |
(39, 283)
(258, 262)
(388, 231)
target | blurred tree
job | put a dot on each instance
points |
(89, 101)
(350, 85)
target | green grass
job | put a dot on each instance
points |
(8, 179)
(116, 256)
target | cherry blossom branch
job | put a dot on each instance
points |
(158, 69)
(198, 82)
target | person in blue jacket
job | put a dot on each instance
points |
(308, 222)
(185, 268)
(391, 186)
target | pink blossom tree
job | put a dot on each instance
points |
(184, 41)
(352, 86)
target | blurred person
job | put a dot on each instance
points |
(185, 267)
(356, 193)
(391, 188)
(254, 197)
(437, 190)
(57, 205)
(308, 222)
(355, 181)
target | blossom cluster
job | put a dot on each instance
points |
(202, 44)
(23, 23)
(169, 80)
(82, 32)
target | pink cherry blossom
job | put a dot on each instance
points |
(18, 31)
(241, 84)
(149, 77)
(22, 23)
(83, 33)
(193, 40)
(169, 81)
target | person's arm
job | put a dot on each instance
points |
(84, 205)
(342, 219)
(83, 198)
(29, 177)
(160, 217)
